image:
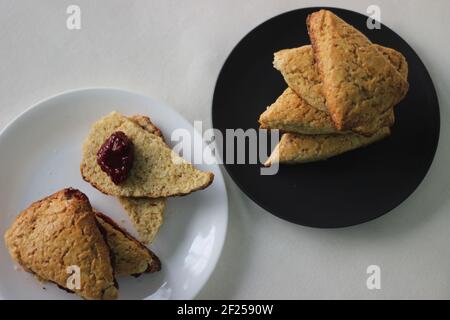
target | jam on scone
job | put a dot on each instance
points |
(115, 157)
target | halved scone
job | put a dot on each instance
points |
(131, 256)
(58, 232)
(157, 171)
(146, 214)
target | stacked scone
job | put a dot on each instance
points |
(125, 157)
(341, 92)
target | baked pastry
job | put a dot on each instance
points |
(61, 231)
(298, 148)
(145, 214)
(300, 72)
(291, 113)
(359, 82)
(157, 171)
(131, 256)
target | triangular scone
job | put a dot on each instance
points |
(58, 232)
(131, 256)
(359, 82)
(291, 113)
(157, 171)
(145, 214)
(300, 72)
(297, 148)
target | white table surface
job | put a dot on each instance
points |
(173, 50)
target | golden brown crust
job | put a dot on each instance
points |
(359, 83)
(157, 171)
(397, 60)
(300, 72)
(291, 113)
(61, 231)
(297, 148)
(131, 256)
(145, 123)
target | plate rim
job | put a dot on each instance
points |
(218, 253)
(256, 201)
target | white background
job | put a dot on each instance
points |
(173, 51)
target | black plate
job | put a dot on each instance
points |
(347, 190)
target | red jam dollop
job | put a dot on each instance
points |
(115, 157)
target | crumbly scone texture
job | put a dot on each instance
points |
(300, 72)
(359, 82)
(61, 231)
(397, 60)
(291, 113)
(131, 256)
(157, 171)
(147, 215)
(297, 148)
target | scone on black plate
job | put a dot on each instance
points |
(360, 84)
(295, 148)
(61, 231)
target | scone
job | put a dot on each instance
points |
(300, 72)
(291, 113)
(156, 172)
(131, 256)
(359, 82)
(58, 232)
(146, 214)
(298, 148)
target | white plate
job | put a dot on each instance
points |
(40, 153)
